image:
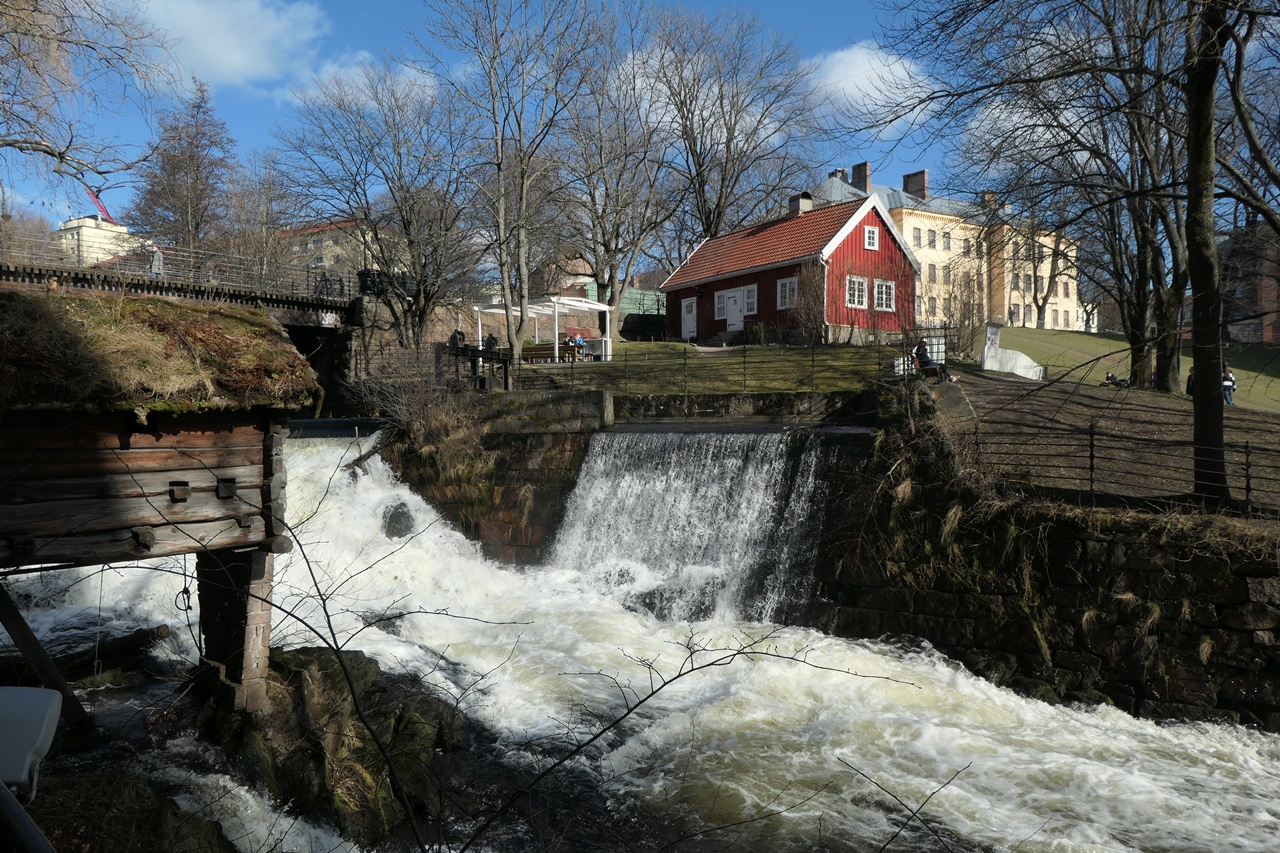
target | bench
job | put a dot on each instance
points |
(544, 352)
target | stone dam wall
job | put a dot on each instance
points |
(1168, 616)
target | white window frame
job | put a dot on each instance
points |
(853, 285)
(788, 292)
(748, 300)
(871, 238)
(722, 310)
(886, 295)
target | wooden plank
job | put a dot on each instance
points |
(25, 466)
(50, 437)
(133, 484)
(23, 637)
(57, 518)
(119, 546)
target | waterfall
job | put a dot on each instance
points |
(696, 526)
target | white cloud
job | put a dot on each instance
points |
(241, 42)
(864, 72)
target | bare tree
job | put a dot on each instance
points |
(1103, 91)
(522, 67)
(376, 155)
(737, 111)
(619, 194)
(63, 66)
(25, 237)
(258, 214)
(810, 309)
(181, 201)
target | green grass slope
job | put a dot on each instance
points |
(1087, 358)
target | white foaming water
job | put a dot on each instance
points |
(526, 649)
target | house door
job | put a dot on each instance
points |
(733, 305)
(689, 318)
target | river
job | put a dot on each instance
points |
(675, 553)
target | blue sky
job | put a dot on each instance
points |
(251, 52)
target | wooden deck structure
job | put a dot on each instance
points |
(136, 428)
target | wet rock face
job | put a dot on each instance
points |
(311, 749)
(398, 521)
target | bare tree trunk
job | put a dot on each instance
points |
(1207, 19)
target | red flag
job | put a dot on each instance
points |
(102, 208)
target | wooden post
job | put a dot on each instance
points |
(23, 637)
(234, 588)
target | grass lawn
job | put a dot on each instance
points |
(676, 368)
(1087, 358)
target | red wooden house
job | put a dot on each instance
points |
(842, 270)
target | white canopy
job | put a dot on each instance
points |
(554, 306)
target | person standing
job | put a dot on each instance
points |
(1228, 385)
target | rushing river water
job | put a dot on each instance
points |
(680, 543)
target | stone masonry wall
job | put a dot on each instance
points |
(1169, 616)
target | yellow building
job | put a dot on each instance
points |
(978, 263)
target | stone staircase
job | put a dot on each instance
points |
(724, 339)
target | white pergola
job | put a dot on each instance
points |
(553, 307)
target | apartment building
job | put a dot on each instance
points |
(88, 240)
(979, 264)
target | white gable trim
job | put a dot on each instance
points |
(873, 202)
(663, 286)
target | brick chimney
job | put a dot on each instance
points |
(989, 199)
(916, 184)
(842, 174)
(799, 203)
(860, 177)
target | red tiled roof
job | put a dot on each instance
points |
(768, 244)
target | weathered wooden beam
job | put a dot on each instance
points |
(32, 437)
(25, 639)
(61, 518)
(119, 545)
(25, 465)
(135, 484)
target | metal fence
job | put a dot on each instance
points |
(1088, 464)
(179, 266)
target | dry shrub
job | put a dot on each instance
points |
(437, 443)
